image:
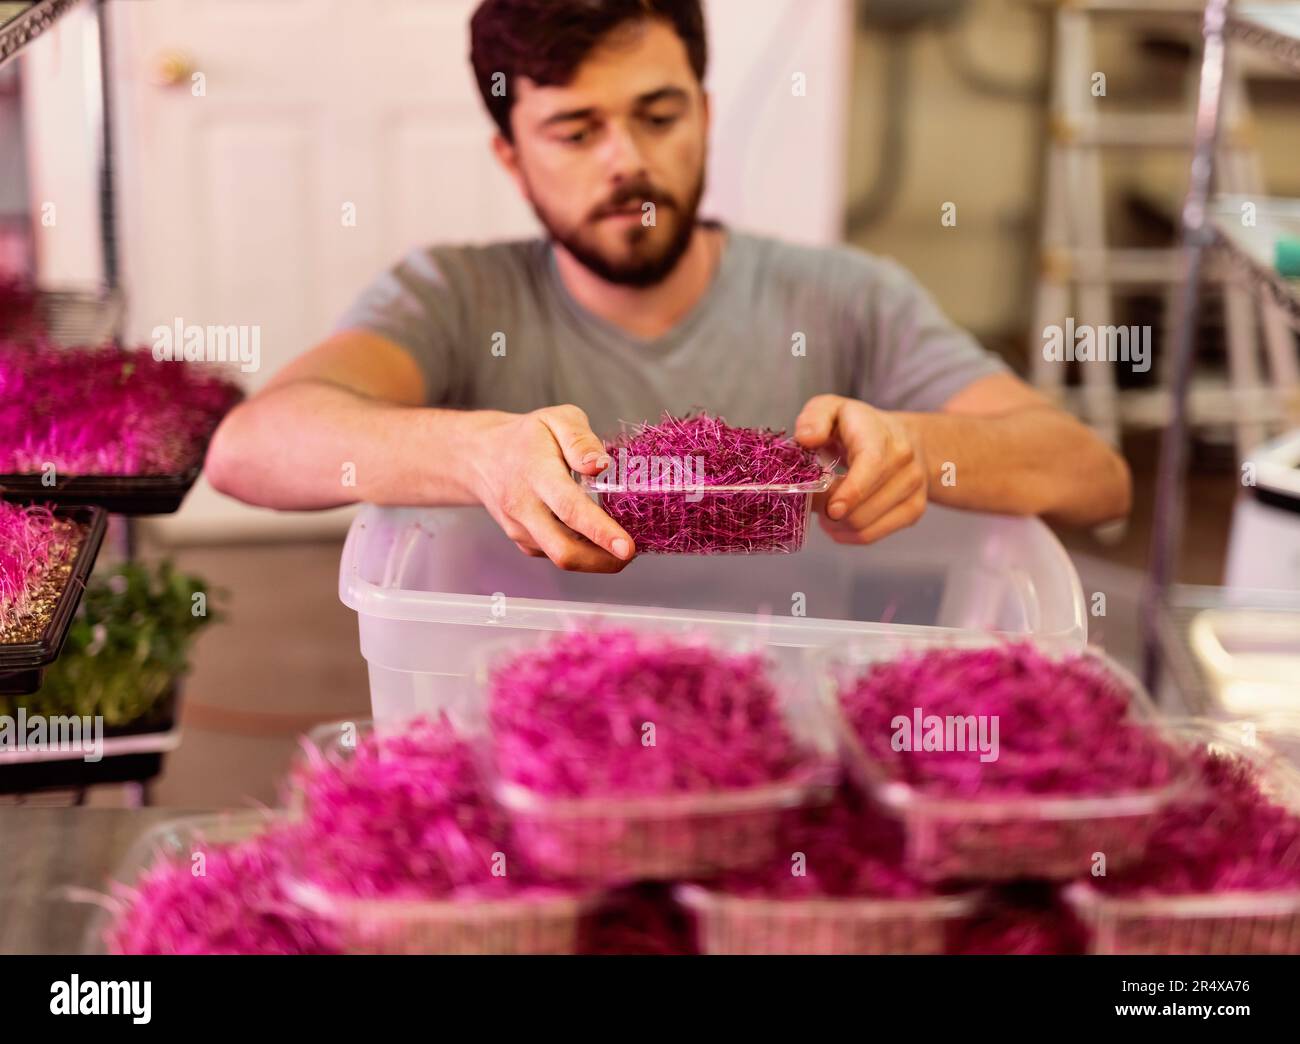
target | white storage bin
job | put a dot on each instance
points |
(1264, 549)
(431, 584)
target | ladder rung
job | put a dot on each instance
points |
(1124, 7)
(1209, 401)
(1140, 131)
(1132, 266)
(1123, 131)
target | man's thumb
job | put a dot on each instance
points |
(816, 421)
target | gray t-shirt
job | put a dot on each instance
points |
(493, 327)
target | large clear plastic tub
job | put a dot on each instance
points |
(431, 585)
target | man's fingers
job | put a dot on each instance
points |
(898, 517)
(579, 513)
(901, 485)
(563, 547)
(866, 474)
(582, 450)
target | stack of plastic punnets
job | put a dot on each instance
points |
(414, 842)
(828, 849)
(441, 597)
(1197, 852)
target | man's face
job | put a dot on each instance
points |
(613, 162)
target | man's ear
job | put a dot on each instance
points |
(508, 156)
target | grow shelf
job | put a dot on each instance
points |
(120, 494)
(132, 753)
(73, 318)
(1250, 249)
(1176, 620)
(22, 664)
(1273, 29)
(21, 23)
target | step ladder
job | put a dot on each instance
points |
(1079, 272)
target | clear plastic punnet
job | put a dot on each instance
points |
(540, 925)
(998, 838)
(532, 924)
(729, 924)
(617, 839)
(175, 839)
(431, 585)
(1239, 922)
(701, 519)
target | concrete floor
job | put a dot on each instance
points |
(287, 657)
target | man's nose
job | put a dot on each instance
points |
(623, 156)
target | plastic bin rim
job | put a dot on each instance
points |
(388, 603)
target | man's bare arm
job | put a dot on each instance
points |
(996, 446)
(343, 424)
(1013, 452)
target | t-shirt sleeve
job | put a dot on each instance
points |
(413, 306)
(916, 357)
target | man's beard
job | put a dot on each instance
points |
(638, 271)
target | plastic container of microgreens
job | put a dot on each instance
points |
(538, 924)
(752, 519)
(1264, 922)
(432, 586)
(730, 924)
(616, 839)
(998, 838)
(175, 839)
(22, 664)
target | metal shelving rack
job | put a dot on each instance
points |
(1275, 30)
(1249, 249)
(18, 32)
(89, 316)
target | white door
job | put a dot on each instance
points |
(274, 155)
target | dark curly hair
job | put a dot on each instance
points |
(546, 41)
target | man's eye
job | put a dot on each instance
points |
(577, 137)
(661, 121)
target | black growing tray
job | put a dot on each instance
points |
(72, 773)
(120, 494)
(22, 664)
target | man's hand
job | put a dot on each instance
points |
(522, 477)
(885, 487)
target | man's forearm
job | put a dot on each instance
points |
(311, 444)
(1028, 462)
